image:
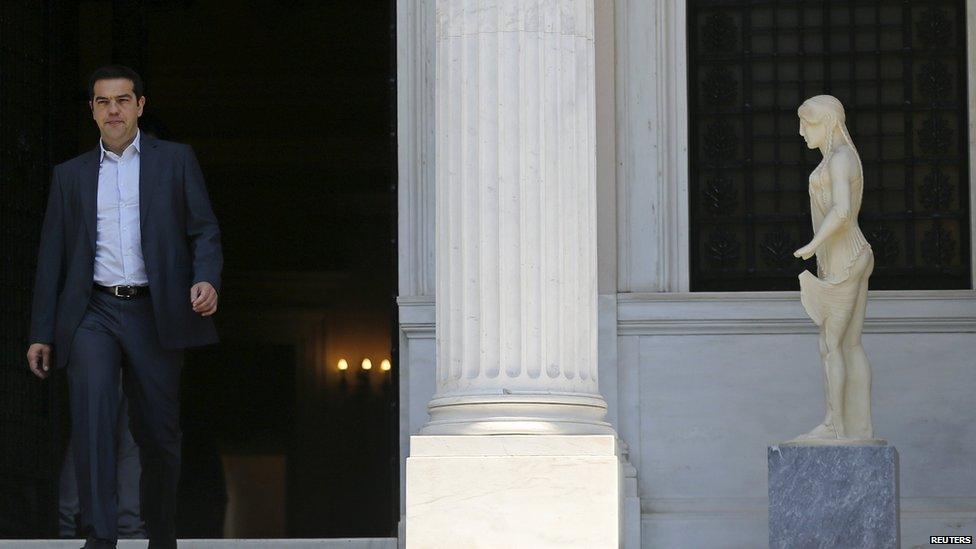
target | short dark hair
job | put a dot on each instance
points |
(109, 72)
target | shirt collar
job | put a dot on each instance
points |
(135, 145)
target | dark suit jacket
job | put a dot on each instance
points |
(180, 246)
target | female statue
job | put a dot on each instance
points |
(836, 298)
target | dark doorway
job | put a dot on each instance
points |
(289, 105)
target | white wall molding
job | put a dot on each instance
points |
(945, 311)
(416, 373)
(415, 225)
(651, 145)
(742, 522)
(416, 316)
(606, 152)
(415, 146)
(971, 57)
(711, 506)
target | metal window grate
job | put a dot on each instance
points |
(899, 68)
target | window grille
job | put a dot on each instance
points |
(899, 67)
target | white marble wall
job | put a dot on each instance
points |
(713, 379)
(703, 382)
(698, 384)
(415, 197)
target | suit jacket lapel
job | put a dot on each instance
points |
(89, 192)
(148, 175)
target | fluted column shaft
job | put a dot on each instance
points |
(516, 218)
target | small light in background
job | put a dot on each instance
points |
(343, 365)
(367, 364)
(385, 365)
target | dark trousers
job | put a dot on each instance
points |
(129, 470)
(111, 330)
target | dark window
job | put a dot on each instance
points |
(900, 70)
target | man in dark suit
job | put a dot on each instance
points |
(128, 272)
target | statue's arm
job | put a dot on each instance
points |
(840, 212)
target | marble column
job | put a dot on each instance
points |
(516, 287)
(515, 169)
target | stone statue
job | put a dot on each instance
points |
(836, 298)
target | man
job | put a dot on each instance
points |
(131, 525)
(128, 272)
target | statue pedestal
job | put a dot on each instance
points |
(833, 496)
(535, 491)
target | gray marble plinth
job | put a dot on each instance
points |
(833, 497)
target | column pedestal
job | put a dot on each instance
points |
(538, 491)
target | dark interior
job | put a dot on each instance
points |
(289, 106)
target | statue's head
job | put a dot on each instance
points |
(820, 117)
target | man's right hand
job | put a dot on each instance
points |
(39, 359)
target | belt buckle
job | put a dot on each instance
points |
(124, 292)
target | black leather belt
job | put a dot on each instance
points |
(124, 292)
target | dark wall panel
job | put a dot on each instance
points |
(36, 127)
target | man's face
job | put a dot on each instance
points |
(116, 110)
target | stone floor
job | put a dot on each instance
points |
(355, 543)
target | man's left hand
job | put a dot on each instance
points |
(203, 297)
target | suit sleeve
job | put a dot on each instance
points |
(201, 225)
(50, 266)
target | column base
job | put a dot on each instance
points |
(537, 491)
(511, 413)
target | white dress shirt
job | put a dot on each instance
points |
(118, 244)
